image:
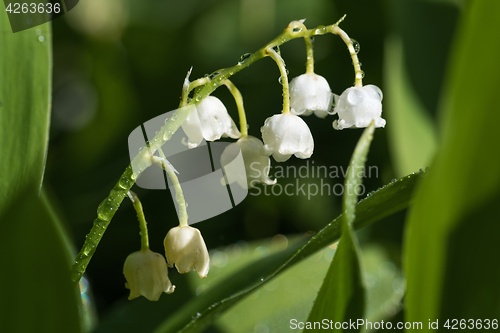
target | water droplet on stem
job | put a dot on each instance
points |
(355, 45)
(244, 58)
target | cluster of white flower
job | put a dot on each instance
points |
(356, 106)
(285, 134)
(146, 272)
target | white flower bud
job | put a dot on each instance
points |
(286, 134)
(186, 249)
(310, 92)
(210, 122)
(256, 165)
(358, 106)
(146, 273)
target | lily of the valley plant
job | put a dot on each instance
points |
(204, 117)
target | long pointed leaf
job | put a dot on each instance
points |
(386, 201)
(37, 292)
(342, 295)
(25, 89)
(452, 233)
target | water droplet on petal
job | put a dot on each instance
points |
(354, 97)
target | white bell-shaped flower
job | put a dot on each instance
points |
(146, 273)
(256, 165)
(310, 93)
(285, 135)
(210, 121)
(186, 249)
(358, 106)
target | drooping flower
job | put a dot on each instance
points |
(285, 135)
(186, 249)
(146, 273)
(310, 93)
(256, 165)
(358, 106)
(210, 121)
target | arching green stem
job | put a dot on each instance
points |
(284, 77)
(179, 195)
(199, 82)
(142, 220)
(239, 104)
(188, 86)
(309, 54)
(358, 73)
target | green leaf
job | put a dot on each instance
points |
(37, 292)
(386, 201)
(342, 295)
(412, 135)
(25, 90)
(292, 293)
(452, 230)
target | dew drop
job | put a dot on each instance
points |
(213, 75)
(280, 80)
(354, 97)
(244, 58)
(360, 75)
(166, 119)
(124, 183)
(87, 249)
(41, 38)
(355, 45)
(277, 49)
(167, 135)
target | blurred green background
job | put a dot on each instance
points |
(117, 64)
